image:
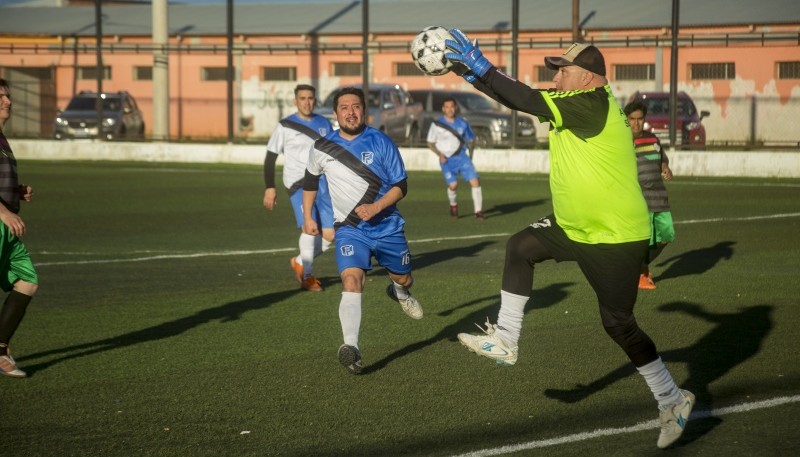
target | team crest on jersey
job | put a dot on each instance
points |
(322, 131)
(367, 157)
(348, 250)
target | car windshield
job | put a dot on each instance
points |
(474, 102)
(87, 104)
(659, 106)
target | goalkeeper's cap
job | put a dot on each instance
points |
(583, 55)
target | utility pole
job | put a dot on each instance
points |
(365, 48)
(98, 30)
(160, 71)
(673, 77)
(576, 21)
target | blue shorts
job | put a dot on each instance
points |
(322, 211)
(354, 249)
(459, 164)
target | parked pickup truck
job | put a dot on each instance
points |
(391, 109)
(492, 125)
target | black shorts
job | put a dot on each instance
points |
(611, 269)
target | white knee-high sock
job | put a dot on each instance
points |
(509, 320)
(451, 195)
(321, 245)
(660, 382)
(477, 198)
(350, 317)
(307, 243)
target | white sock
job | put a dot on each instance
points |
(509, 320)
(350, 317)
(660, 382)
(477, 198)
(307, 243)
(321, 245)
(401, 292)
(451, 195)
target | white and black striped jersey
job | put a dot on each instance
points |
(358, 172)
(293, 137)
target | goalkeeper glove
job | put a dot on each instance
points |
(468, 54)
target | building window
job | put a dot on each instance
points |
(142, 73)
(406, 69)
(712, 71)
(279, 73)
(788, 70)
(544, 74)
(91, 72)
(214, 74)
(346, 68)
(635, 72)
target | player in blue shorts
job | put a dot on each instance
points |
(17, 275)
(366, 178)
(450, 137)
(293, 137)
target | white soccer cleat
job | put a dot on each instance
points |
(673, 420)
(489, 345)
(409, 305)
(8, 367)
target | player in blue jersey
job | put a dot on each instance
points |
(293, 137)
(366, 178)
(450, 137)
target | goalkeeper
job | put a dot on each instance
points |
(600, 219)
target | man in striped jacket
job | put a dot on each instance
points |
(653, 165)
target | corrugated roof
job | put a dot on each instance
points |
(395, 17)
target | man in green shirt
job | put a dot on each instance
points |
(600, 218)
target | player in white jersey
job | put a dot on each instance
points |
(449, 137)
(293, 137)
(366, 177)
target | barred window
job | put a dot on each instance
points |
(91, 72)
(788, 70)
(279, 73)
(635, 72)
(406, 69)
(214, 74)
(712, 71)
(142, 73)
(346, 69)
(544, 74)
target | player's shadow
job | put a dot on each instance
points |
(736, 337)
(545, 298)
(509, 208)
(226, 313)
(695, 262)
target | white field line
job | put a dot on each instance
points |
(272, 251)
(649, 425)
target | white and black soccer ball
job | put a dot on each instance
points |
(428, 49)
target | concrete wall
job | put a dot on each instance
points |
(683, 163)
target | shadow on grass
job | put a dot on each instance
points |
(226, 313)
(696, 262)
(545, 298)
(735, 338)
(509, 208)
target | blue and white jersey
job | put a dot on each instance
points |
(450, 138)
(358, 172)
(294, 137)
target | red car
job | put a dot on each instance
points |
(690, 133)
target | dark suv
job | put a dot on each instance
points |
(122, 118)
(690, 132)
(492, 126)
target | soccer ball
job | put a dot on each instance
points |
(427, 50)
